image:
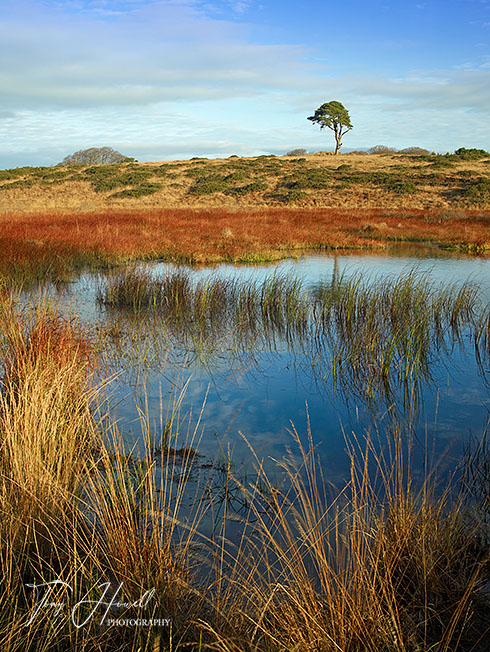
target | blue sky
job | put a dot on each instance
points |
(165, 79)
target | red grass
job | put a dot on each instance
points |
(49, 343)
(214, 234)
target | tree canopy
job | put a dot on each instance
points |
(95, 156)
(334, 116)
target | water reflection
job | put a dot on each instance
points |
(261, 382)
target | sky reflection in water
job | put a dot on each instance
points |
(268, 390)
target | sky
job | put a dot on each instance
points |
(172, 79)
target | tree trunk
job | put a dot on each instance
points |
(338, 137)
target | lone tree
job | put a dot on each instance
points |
(335, 116)
(95, 156)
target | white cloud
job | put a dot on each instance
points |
(165, 79)
(163, 52)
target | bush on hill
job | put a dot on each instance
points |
(95, 156)
(471, 154)
(382, 149)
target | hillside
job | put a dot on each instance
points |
(345, 181)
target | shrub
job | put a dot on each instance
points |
(239, 175)
(402, 187)
(135, 177)
(208, 185)
(21, 183)
(160, 171)
(472, 154)
(415, 151)
(95, 156)
(467, 173)
(200, 172)
(439, 161)
(27, 171)
(478, 192)
(286, 197)
(311, 178)
(105, 178)
(343, 185)
(255, 186)
(297, 152)
(139, 191)
(382, 149)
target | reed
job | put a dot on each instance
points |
(387, 333)
(78, 509)
(378, 565)
(48, 436)
(370, 336)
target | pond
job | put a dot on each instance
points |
(249, 396)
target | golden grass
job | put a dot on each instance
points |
(377, 566)
(436, 188)
(361, 571)
(57, 220)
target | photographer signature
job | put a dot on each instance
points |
(104, 604)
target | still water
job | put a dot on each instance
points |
(255, 399)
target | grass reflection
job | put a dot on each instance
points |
(371, 337)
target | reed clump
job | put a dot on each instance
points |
(48, 435)
(368, 335)
(78, 512)
(279, 303)
(377, 567)
(45, 397)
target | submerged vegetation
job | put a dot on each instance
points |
(379, 566)
(370, 336)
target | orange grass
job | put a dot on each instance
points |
(62, 242)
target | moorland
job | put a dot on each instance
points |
(204, 554)
(243, 209)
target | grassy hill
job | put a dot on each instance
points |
(345, 181)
